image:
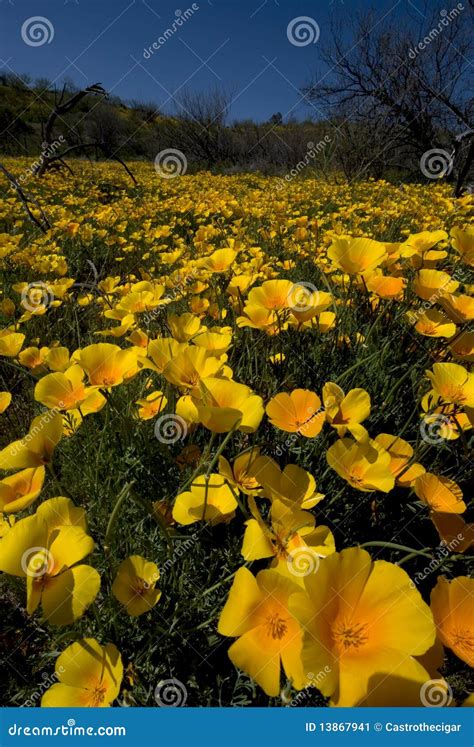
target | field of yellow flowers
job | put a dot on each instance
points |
(236, 449)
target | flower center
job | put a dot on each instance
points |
(98, 695)
(350, 635)
(464, 638)
(276, 626)
(455, 393)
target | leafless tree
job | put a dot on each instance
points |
(204, 117)
(405, 86)
(105, 139)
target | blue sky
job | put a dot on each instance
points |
(241, 45)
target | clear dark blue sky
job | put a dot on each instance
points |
(239, 44)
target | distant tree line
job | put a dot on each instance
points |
(384, 94)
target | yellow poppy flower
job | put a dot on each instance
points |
(34, 358)
(64, 391)
(216, 340)
(440, 493)
(452, 383)
(433, 324)
(257, 317)
(463, 242)
(58, 359)
(400, 455)
(36, 448)
(364, 465)
(299, 412)
(224, 405)
(463, 346)
(209, 499)
(361, 618)
(274, 295)
(459, 308)
(189, 367)
(90, 676)
(10, 343)
(5, 400)
(134, 585)
(292, 538)
(47, 553)
(346, 412)
(20, 490)
(453, 531)
(432, 284)
(356, 255)
(220, 260)
(107, 365)
(151, 406)
(386, 286)
(257, 614)
(293, 485)
(418, 243)
(162, 351)
(240, 475)
(452, 605)
(183, 327)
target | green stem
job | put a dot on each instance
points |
(356, 365)
(123, 495)
(395, 546)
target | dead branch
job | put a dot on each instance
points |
(26, 200)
